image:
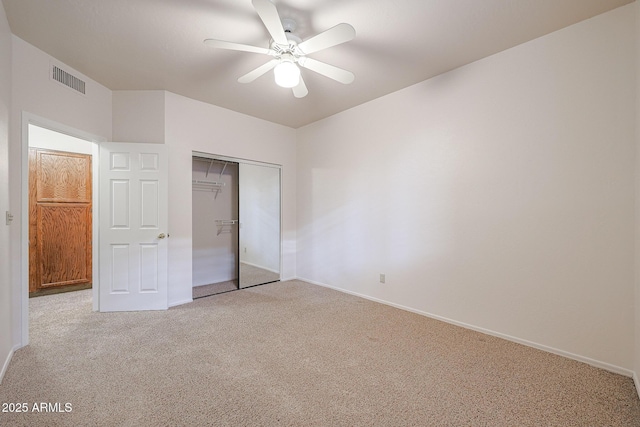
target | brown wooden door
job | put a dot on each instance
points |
(59, 219)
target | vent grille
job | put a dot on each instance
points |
(68, 80)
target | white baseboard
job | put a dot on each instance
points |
(5, 366)
(636, 381)
(596, 363)
(176, 303)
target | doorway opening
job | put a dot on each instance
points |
(60, 212)
(31, 125)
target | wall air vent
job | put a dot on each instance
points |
(67, 79)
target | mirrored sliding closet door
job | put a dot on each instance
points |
(236, 224)
(259, 188)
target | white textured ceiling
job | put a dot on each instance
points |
(157, 44)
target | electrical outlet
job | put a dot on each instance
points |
(382, 278)
(9, 218)
(245, 250)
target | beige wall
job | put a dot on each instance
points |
(498, 195)
(44, 138)
(33, 93)
(195, 126)
(6, 308)
(138, 116)
(187, 126)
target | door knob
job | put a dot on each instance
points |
(161, 236)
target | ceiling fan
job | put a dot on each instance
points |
(289, 51)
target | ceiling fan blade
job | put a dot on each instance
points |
(333, 36)
(252, 75)
(335, 73)
(221, 44)
(269, 15)
(300, 91)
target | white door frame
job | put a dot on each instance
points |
(27, 119)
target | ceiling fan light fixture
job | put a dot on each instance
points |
(287, 74)
(289, 52)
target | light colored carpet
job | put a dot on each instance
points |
(294, 354)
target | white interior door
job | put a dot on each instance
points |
(133, 227)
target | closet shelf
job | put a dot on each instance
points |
(207, 185)
(211, 162)
(227, 221)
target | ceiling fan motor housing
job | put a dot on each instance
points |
(289, 26)
(285, 48)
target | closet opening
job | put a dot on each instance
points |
(236, 224)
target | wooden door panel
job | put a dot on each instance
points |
(60, 233)
(64, 177)
(64, 244)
